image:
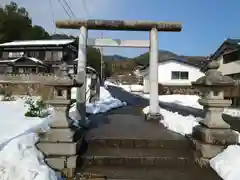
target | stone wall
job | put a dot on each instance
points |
(35, 89)
(178, 90)
(27, 83)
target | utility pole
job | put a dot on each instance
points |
(102, 63)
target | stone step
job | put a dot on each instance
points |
(153, 173)
(139, 143)
(137, 157)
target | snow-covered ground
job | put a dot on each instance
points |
(227, 163)
(184, 100)
(19, 158)
(106, 101)
(192, 101)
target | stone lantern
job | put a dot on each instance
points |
(62, 84)
(61, 144)
(213, 134)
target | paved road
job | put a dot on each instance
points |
(138, 101)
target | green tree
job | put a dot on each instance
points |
(107, 69)
(15, 24)
(94, 58)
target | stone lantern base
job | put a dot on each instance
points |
(209, 142)
(61, 145)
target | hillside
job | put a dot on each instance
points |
(163, 55)
(119, 64)
(114, 57)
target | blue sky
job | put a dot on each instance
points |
(206, 23)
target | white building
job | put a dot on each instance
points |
(172, 72)
(228, 55)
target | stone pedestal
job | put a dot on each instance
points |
(61, 144)
(213, 134)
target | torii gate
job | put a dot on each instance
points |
(153, 27)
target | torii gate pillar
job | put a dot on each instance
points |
(153, 75)
(81, 73)
(92, 24)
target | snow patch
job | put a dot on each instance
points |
(227, 163)
(192, 101)
(106, 102)
(21, 160)
(132, 87)
(176, 122)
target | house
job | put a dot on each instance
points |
(174, 72)
(228, 55)
(37, 56)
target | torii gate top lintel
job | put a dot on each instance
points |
(120, 25)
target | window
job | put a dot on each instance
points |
(5, 55)
(231, 57)
(53, 55)
(33, 70)
(15, 54)
(33, 54)
(179, 75)
(235, 76)
(48, 56)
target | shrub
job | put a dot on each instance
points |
(36, 108)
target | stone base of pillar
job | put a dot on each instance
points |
(207, 143)
(154, 117)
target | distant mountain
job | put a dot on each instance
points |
(114, 57)
(164, 55)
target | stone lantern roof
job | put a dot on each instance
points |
(63, 79)
(214, 78)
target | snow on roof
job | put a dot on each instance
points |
(38, 42)
(35, 60)
(30, 58)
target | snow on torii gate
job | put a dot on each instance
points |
(92, 24)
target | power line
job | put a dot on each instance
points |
(85, 7)
(65, 9)
(69, 7)
(101, 52)
(53, 16)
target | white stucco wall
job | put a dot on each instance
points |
(165, 74)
